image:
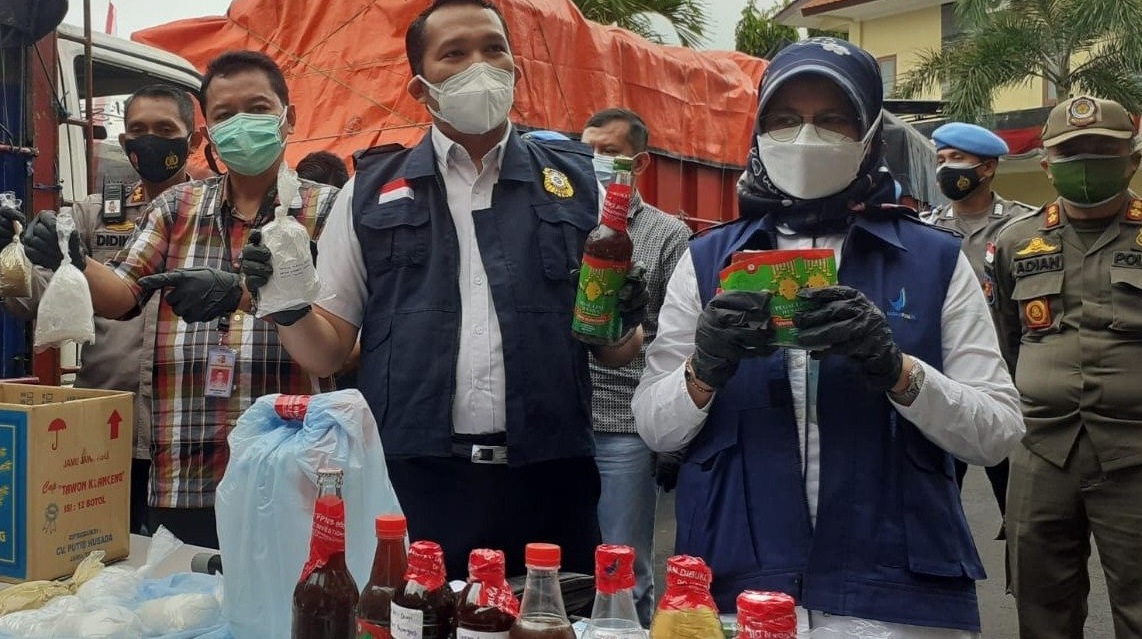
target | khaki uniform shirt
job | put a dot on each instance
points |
(977, 239)
(1073, 315)
(122, 356)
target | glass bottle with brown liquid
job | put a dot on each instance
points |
(606, 260)
(389, 565)
(486, 608)
(423, 607)
(325, 598)
(542, 615)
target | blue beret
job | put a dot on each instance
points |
(545, 135)
(970, 139)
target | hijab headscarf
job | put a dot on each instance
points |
(857, 73)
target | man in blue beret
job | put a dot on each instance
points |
(967, 158)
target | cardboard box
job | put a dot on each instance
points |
(65, 478)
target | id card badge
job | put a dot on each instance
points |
(220, 371)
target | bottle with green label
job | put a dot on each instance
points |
(606, 260)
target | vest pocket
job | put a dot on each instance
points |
(1126, 299)
(394, 235)
(937, 537)
(1040, 303)
(561, 234)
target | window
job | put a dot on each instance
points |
(888, 74)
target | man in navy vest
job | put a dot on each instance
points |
(454, 260)
(830, 477)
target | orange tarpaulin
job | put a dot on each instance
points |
(347, 72)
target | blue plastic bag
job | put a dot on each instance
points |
(265, 501)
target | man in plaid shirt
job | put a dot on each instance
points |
(212, 357)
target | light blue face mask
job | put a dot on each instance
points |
(604, 169)
(249, 143)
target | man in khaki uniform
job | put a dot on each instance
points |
(158, 136)
(1068, 298)
(967, 159)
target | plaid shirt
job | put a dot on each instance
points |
(183, 228)
(659, 241)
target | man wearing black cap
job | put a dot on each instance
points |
(1068, 281)
(967, 159)
(830, 477)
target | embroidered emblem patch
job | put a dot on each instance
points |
(1037, 246)
(557, 183)
(1037, 314)
(1082, 112)
(1052, 216)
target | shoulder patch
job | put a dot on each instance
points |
(1053, 216)
(138, 196)
(1134, 213)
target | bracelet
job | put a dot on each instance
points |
(691, 378)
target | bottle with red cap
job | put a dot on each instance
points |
(542, 615)
(766, 615)
(614, 615)
(423, 607)
(389, 565)
(487, 607)
(325, 597)
(687, 609)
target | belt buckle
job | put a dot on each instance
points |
(489, 454)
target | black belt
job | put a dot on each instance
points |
(481, 449)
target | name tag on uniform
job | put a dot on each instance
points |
(220, 371)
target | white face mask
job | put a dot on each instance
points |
(476, 100)
(810, 166)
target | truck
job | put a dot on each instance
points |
(60, 118)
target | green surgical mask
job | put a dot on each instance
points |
(249, 143)
(1088, 180)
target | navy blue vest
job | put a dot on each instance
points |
(531, 239)
(891, 542)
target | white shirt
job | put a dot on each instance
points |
(971, 410)
(480, 402)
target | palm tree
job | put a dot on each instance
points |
(1089, 46)
(686, 17)
(760, 36)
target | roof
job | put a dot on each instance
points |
(821, 6)
(347, 71)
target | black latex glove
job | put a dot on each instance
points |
(734, 325)
(41, 243)
(257, 266)
(198, 294)
(8, 219)
(256, 263)
(633, 298)
(666, 467)
(843, 321)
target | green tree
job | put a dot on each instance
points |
(1088, 46)
(686, 17)
(760, 36)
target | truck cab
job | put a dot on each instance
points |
(44, 155)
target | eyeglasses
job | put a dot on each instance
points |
(832, 127)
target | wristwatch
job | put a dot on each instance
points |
(688, 373)
(915, 383)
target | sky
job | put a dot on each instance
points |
(133, 15)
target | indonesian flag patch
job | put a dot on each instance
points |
(395, 190)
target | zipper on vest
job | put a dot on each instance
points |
(443, 191)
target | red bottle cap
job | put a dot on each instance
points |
(614, 568)
(687, 571)
(767, 614)
(543, 556)
(426, 564)
(391, 526)
(486, 565)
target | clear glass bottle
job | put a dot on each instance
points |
(542, 615)
(613, 615)
(325, 598)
